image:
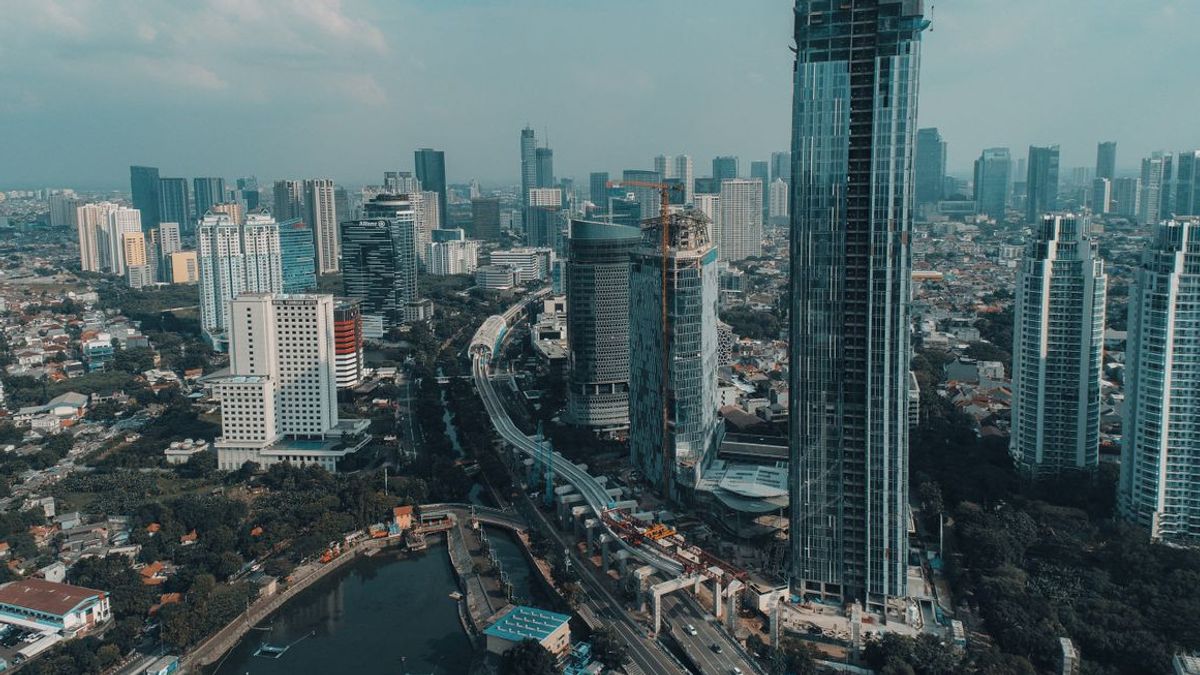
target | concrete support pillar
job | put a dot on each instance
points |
(604, 539)
(590, 524)
(717, 598)
(657, 611)
(623, 561)
(732, 593)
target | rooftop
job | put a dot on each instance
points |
(46, 596)
(522, 623)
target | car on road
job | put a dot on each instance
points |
(735, 671)
(691, 630)
(717, 648)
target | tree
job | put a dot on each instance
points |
(609, 649)
(527, 657)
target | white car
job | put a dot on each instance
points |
(691, 630)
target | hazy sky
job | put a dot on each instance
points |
(348, 89)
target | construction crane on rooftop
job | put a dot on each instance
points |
(664, 221)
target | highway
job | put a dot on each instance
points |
(681, 610)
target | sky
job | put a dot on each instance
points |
(305, 88)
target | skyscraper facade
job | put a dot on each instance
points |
(528, 163)
(321, 215)
(740, 225)
(777, 209)
(762, 172)
(1159, 486)
(234, 259)
(597, 290)
(89, 218)
(673, 425)
(206, 192)
(648, 199)
(379, 261)
(111, 237)
(678, 167)
(143, 184)
(1100, 196)
(430, 167)
(425, 206)
(1106, 160)
(543, 162)
(724, 168)
(348, 343)
(137, 265)
(930, 166)
(298, 256)
(993, 172)
(1187, 184)
(288, 200)
(1126, 197)
(1058, 340)
(598, 190)
(174, 204)
(1041, 183)
(1156, 188)
(485, 218)
(781, 166)
(854, 108)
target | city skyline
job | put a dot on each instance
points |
(349, 86)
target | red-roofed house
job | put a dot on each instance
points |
(45, 605)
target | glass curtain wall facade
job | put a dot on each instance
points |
(853, 133)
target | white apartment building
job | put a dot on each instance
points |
(531, 264)
(234, 259)
(321, 215)
(777, 208)
(452, 257)
(279, 403)
(88, 219)
(428, 218)
(546, 197)
(740, 227)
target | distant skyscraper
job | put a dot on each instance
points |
(485, 218)
(710, 206)
(1041, 183)
(1160, 431)
(233, 260)
(379, 262)
(174, 204)
(777, 210)
(169, 238)
(528, 163)
(649, 199)
(992, 177)
(232, 209)
(1100, 197)
(248, 194)
(724, 168)
(137, 265)
(543, 226)
(740, 226)
(597, 290)
(452, 256)
(288, 200)
(761, 171)
(1156, 188)
(678, 167)
(320, 214)
(543, 161)
(425, 205)
(673, 426)
(781, 166)
(1187, 184)
(111, 237)
(206, 192)
(298, 254)
(851, 267)
(598, 190)
(89, 218)
(930, 166)
(143, 183)
(348, 343)
(62, 209)
(1127, 197)
(1106, 160)
(1058, 339)
(400, 183)
(431, 171)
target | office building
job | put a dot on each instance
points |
(528, 166)
(143, 186)
(321, 215)
(1126, 197)
(781, 166)
(154, 256)
(1106, 160)
(430, 168)
(1041, 183)
(543, 227)
(168, 238)
(598, 191)
(234, 259)
(400, 182)
(930, 164)
(184, 267)
(530, 263)
(496, 277)
(1156, 188)
(761, 171)
(1159, 487)
(543, 163)
(248, 193)
(379, 262)
(673, 425)
(992, 178)
(1058, 338)
(62, 209)
(425, 206)
(625, 211)
(740, 227)
(724, 168)
(777, 210)
(649, 199)
(137, 265)
(348, 344)
(447, 234)
(1100, 197)
(851, 268)
(677, 167)
(279, 402)
(597, 290)
(174, 202)
(206, 192)
(485, 218)
(1187, 184)
(288, 200)
(298, 256)
(459, 256)
(706, 185)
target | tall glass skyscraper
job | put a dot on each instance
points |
(1187, 184)
(528, 164)
(1058, 338)
(853, 128)
(174, 206)
(206, 192)
(930, 166)
(379, 261)
(1159, 488)
(543, 167)
(993, 172)
(430, 168)
(724, 168)
(597, 289)
(1106, 159)
(673, 426)
(143, 186)
(299, 256)
(1041, 182)
(597, 190)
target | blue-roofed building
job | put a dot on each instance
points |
(520, 623)
(298, 256)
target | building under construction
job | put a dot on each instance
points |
(673, 423)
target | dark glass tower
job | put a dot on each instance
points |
(1106, 160)
(598, 190)
(1041, 183)
(544, 164)
(528, 164)
(930, 166)
(298, 255)
(174, 206)
(853, 128)
(430, 167)
(207, 191)
(724, 168)
(143, 186)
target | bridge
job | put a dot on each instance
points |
(484, 514)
